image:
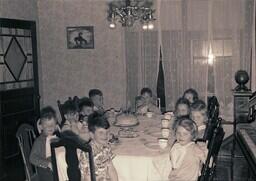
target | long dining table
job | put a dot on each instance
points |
(141, 158)
(138, 158)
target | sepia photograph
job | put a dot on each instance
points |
(81, 37)
(127, 90)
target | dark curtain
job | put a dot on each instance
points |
(160, 83)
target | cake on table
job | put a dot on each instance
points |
(126, 120)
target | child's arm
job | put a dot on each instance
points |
(112, 172)
(200, 153)
(36, 156)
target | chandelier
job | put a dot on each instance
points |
(128, 13)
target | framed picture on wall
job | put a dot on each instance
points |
(80, 37)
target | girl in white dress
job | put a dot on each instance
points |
(186, 156)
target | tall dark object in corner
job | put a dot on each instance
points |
(19, 91)
(241, 108)
(160, 83)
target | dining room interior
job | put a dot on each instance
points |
(137, 90)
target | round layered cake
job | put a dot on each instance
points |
(126, 120)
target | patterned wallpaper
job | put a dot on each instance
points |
(68, 72)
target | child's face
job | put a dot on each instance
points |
(199, 117)
(83, 126)
(139, 102)
(183, 136)
(72, 117)
(182, 110)
(97, 100)
(147, 97)
(48, 126)
(189, 97)
(100, 136)
(86, 110)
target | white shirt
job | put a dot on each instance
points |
(178, 153)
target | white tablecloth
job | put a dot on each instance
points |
(134, 161)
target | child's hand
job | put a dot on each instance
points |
(199, 152)
(50, 165)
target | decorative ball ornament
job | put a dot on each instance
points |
(241, 78)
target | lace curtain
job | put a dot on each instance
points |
(203, 42)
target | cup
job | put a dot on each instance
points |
(149, 114)
(165, 132)
(165, 123)
(168, 115)
(163, 143)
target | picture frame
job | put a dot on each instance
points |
(80, 37)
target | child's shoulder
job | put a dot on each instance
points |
(41, 139)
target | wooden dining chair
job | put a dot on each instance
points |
(26, 137)
(213, 117)
(209, 167)
(212, 107)
(76, 101)
(71, 143)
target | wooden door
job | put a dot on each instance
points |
(19, 91)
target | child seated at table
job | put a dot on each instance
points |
(104, 169)
(40, 155)
(182, 110)
(147, 94)
(73, 122)
(191, 95)
(140, 106)
(96, 97)
(199, 115)
(186, 157)
(85, 109)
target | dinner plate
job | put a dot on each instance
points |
(152, 145)
(124, 134)
(155, 133)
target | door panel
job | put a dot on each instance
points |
(19, 91)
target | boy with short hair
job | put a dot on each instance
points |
(85, 107)
(40, 155)
(147, 94)
(104, 169)
(96, 96)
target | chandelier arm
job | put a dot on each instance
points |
(128, 14)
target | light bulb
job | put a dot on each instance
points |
(144, 26)
(112, 25)
(150, 26)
